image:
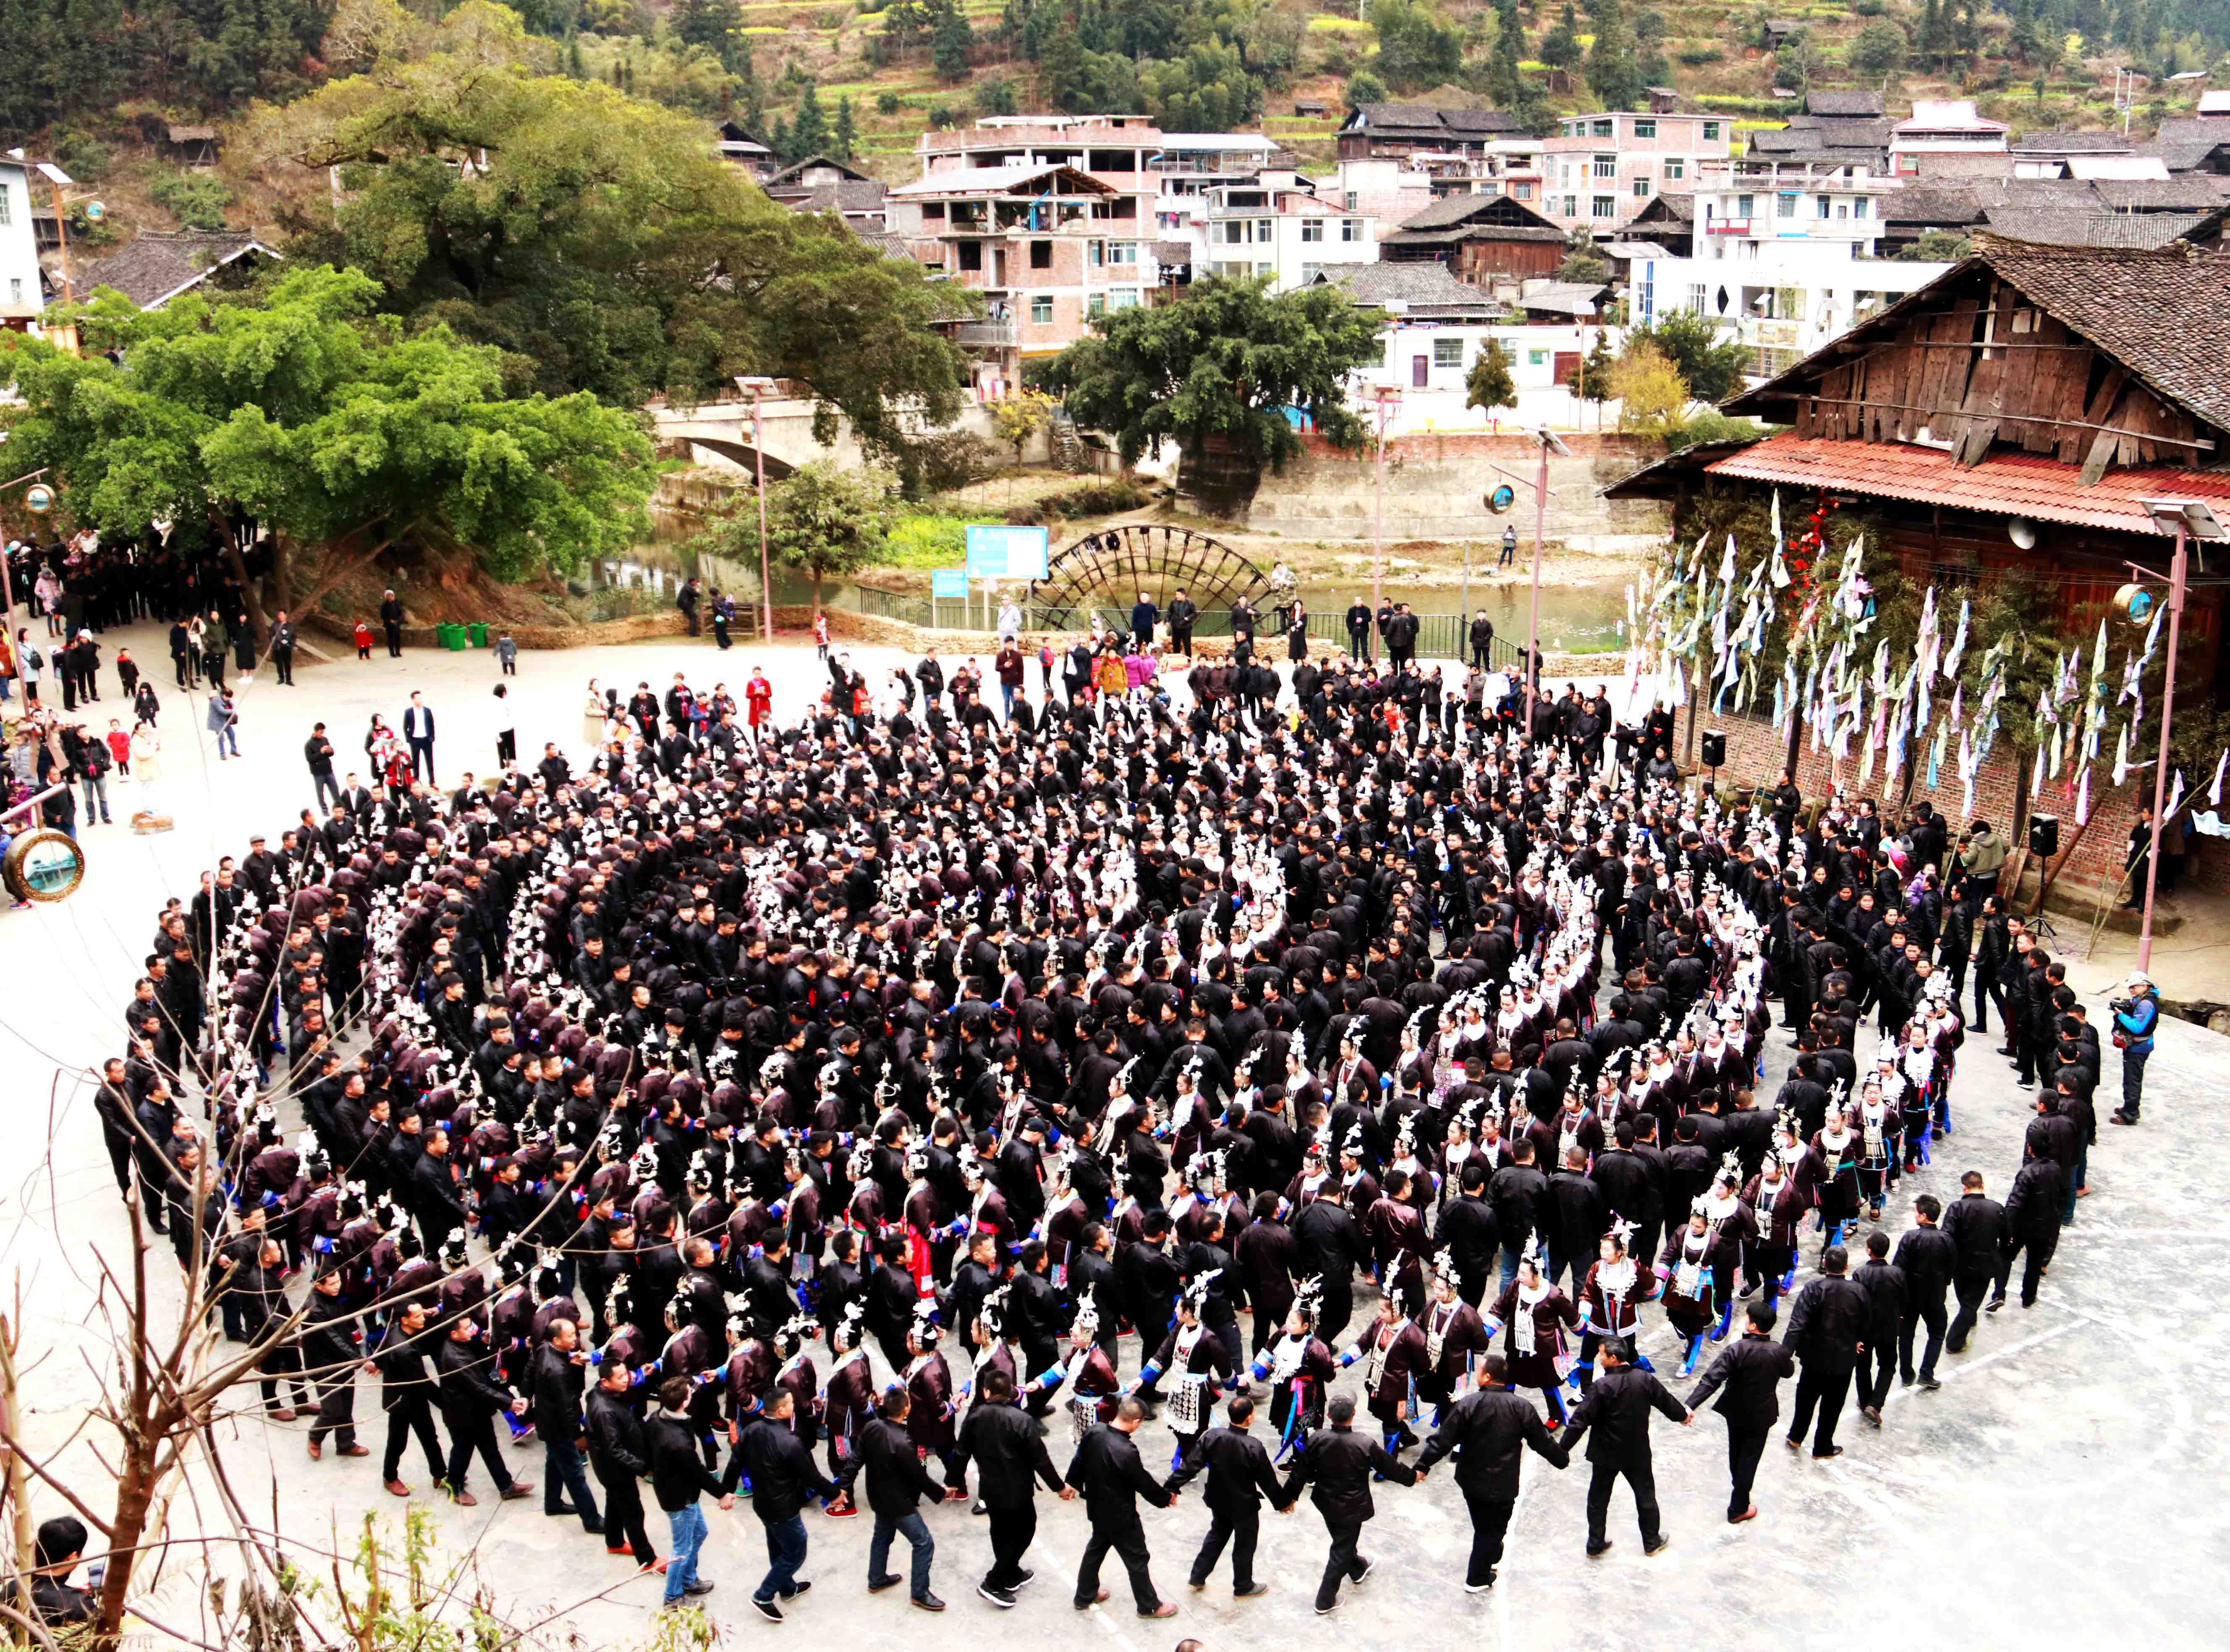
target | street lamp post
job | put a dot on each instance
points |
(56, 175)
(1549, 443)
(758, 386)
(1385, 396)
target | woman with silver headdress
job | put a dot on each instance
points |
(1193, 1357)
(1455, 1336)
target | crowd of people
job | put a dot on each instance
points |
(828, 1110)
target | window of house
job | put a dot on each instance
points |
(1351, 229)
(1699, 296)
(1122, 251)
(971, 255)
(1859, 208)
(1537, 358)
(1350, 201)
(933, 211)
(1710, 131)
(1827, 207)
(1312, 229)
(1645, 129)
(1785, 205)
(1605, 166)
(1096, 255)
(1234, 232)
(1604, 128)
(1745, 206)
(1124, 298)
(1641, 186)
(1676, 169)
(1041, 254)
(1309, 273)
(1604, 206)
(1265, 230)
(1447, 352)
(1095, 305)
(1521, 191)
(16, 289)
(1261, 268)
(1041, 311)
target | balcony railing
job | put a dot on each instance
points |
(988, 334)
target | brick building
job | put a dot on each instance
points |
(2014, 412)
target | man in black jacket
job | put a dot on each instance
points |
(406, 1394)
(782, 1471)
(1107, 1473)
(1884, 1282)
(1617, 1406)
(471, 1401)
(621, 1456)
(1976, 1226)
(1340, 1463)
(1519, 1192)
(1487, 1431)
(391, 619)
(1002, 1440)
(1332, 1247)
(679, 1475)
(559, 1379)
(1927, 1256)
(1239, 1478)
(328, 1342)
(2033, 1213)
(1466, 1230)
(897, 1482)
(1826, 1327)
(1750, 1369)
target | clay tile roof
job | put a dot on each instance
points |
(2025, 485)
(2065, 141)
(157, 267)
(1843, 103)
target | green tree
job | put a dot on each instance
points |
(713, 24)
(297, 411)
(826, 519)
(809, 134)
(950, 40)
(1225, 360)
(1652, 394)
(1417, 47)
(196, 200)
(1614, 69)
(1208, 89)
(1709, 361)
(1364, 86)
(606, 247)
(1560, 46)
(1490, 383)
(1503, 79)
(844, 142)
(1879, 49)
(1594, 382)
(1584, 261)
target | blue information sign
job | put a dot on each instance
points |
(998, 552)
(949, 583)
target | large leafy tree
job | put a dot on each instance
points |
(822, 518)
(1709, 361)
(1417, 47)
(599, 243)
(300, 413)
(1225, 361)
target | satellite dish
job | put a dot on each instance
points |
(1502, 498)
(2021, 531)
(94, 212)
(39, 496)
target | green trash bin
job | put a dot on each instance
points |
(478, 630)
(452, 637)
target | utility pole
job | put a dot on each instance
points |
(758, 386)
(2187, 515)
(1386, 395)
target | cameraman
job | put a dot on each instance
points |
(2135, 1018)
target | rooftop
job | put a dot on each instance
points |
(1424, 120)
(1947, 114)
(157, 267)
(996, 180)
(2026, 485)
(2059, 140)
(1840, 105)
(1414, 287)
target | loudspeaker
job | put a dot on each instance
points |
(1715, 748)
(2044, 835)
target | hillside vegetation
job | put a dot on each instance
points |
(93, 83)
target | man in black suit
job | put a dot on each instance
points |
(1928, 1257)
(1108, 1473)
(896, 1484)
(1239, 1478)
(1340, 1463)
(418, 730)
(1485, 1431)
(1826, 1326)
(1003, 1441)
(391, 619)
(1617, 1406)
(1750, 1370)
(1977, 1226)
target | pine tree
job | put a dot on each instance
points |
(950, 40)
(810, 135)
(574, 65)
(1560, 47)
(1064, 69)
(846, 140)
(1614, 71)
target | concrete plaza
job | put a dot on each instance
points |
(2053, 1494)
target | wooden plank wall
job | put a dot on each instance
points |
(1987, 371)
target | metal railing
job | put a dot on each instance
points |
(1440, 636)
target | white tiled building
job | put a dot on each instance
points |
(20, 297)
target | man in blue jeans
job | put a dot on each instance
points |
(781, 1470)
(679, 1475)
(897, 1482)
